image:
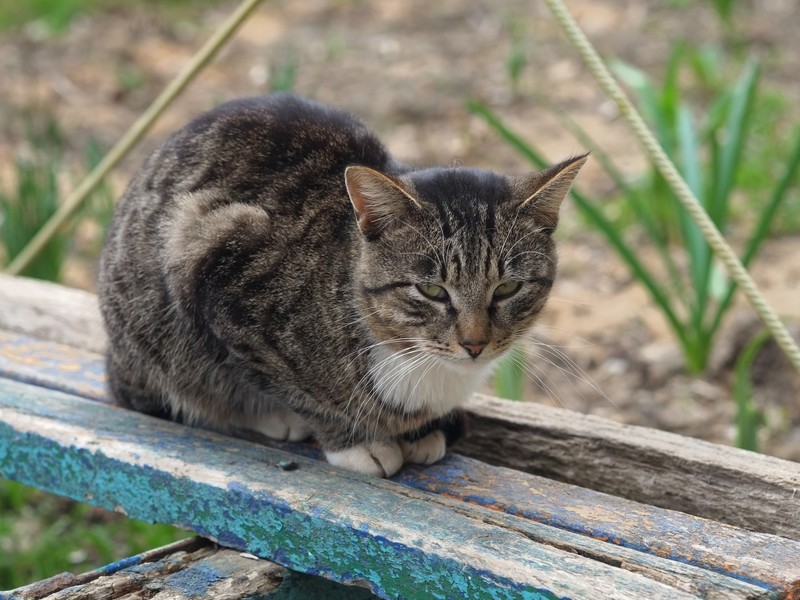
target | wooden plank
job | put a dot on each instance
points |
(740, 488)
(706, 544)
(765, 560)
(745, 489)
(703, 557)
(315, 518)
(193, 568)
(51, 312)
(53, 365)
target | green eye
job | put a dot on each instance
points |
(433, 291)
(506, 290)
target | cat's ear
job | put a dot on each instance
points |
(543, 192)
(378, 200)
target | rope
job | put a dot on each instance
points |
(142, 125)
(712, 235)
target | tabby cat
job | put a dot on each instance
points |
(271, 267)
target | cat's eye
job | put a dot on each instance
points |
(433, 291)
(506, 290)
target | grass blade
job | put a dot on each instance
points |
(696, 246)
(509, 379)
(735, 133)
(761, 229)
(749, 417)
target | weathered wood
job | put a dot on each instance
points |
(51, 312)
(705, 544)
(733, 486)
(740, 488)
(766, 560)
(187, 570)
(231, 490)
(52, 365)
(701, 555)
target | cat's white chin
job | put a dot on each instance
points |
(436, 384)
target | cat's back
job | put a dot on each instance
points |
(280, 143)
(261, 171)
(282, 155)
(216, 208)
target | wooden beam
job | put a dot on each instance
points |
(729, 485)
(398, 541)
(765, 560)
(705, 544)
(191, 568)
(51, 312)
(740, 488)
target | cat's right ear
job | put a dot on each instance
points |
(378, 200)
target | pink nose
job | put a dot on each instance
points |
(474, 348)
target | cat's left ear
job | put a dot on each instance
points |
(543, 192)
(378, 200)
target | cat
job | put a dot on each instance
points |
(272, 268)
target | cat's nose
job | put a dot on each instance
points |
(474, 348)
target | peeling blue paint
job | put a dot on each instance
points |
(194, 581)
(532, 498)
(249, 521)
(125, 563)
(720, 548)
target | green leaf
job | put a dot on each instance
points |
(509, 379)
(761, 229)
(749, 417)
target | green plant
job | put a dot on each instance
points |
(33, 198)
(41, 535)
(709, 157)
(749, 418)
(518, 54)
(56, 15)
(283, 72)
(509, 379)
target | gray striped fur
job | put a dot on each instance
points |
(246, 281)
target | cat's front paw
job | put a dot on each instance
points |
(381, 459)
(426, 450)
(281, 425)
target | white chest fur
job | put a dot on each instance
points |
(411, 383)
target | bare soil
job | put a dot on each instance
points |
(407, 69)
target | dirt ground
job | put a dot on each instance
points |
(407, 69)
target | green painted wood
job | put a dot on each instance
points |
(315, 519)
(767, 561)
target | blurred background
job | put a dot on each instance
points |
(642, 326)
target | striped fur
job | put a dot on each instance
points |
(245, 275)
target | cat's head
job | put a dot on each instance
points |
(456, 263)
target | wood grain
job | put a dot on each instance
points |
(642, 531)
(737, 487)
(732, 486)
(401, 542)
(190, 569)
(51, 312)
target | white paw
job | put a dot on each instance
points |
(425, 451)
(281, 425)
(381, 459)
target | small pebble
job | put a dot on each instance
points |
(287, 465)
